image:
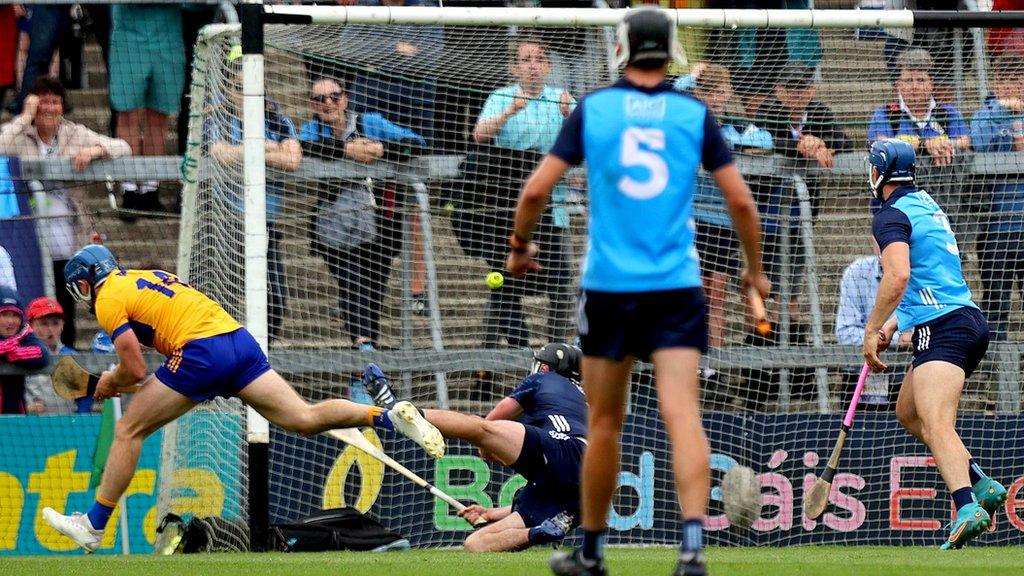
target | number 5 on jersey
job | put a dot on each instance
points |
(637, 149)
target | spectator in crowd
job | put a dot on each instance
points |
(356, 229)
(999, 127)
(716, 242)
(937, 130)
(223, 135)
(398, 69)
(801, 127)
(147, 76)
(519, 123)
(940, 42)
(41, 131)
(20, 347)
(46, 317)
(856, 299)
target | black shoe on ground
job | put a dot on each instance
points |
(563, 564)
(691, 564)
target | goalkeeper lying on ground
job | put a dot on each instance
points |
(545, 446)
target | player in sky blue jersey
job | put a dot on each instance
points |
(545, 445)
(641, 297)
(923, 283)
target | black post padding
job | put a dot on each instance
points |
(251, 16)
(271, 18)
(968, 19)
(259, 497)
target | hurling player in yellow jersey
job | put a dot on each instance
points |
(208, 354)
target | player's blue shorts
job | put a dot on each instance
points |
(959, 337)
(218, 365)
(552, 467)
(614, 325)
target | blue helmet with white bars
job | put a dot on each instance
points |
(87, 269)
(894, 160)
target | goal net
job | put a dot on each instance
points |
(395, 150)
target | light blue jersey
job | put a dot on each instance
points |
(643, 147)
(936, 285)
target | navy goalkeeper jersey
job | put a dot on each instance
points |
(553, 403)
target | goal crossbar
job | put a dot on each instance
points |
(702, 18)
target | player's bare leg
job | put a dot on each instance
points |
(502, 439)
(606, 384)
(675, 375)
(906, 410)
(937, 412)
(278, 402)
(154, 405)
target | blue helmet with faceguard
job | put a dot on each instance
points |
(895, 161)
(88, 269)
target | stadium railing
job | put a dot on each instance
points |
(1005, 357)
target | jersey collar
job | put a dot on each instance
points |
(665, 86)
(900, 193)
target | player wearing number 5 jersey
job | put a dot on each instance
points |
(208, 354)
(641, 297)
(923, 283)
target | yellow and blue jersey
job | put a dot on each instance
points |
(163, 312)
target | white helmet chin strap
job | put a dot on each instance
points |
(876, 185)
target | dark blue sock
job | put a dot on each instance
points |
(99, 514)
(975, 471)
(693, 535)
(593, 544)
(379, 418)
(963, 497)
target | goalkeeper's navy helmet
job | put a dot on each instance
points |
(87, 270)
(646, 38)
(560, 358)
(894, 160)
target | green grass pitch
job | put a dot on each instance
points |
(811, 561)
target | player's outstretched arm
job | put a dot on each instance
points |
(532, 201)
(746, 220)
(507, 409)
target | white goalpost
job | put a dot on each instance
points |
(375, 244)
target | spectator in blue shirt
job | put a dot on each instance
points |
(526, 117)
(223, 134)
(716, 242)
(999, 127)
(356, 240)
(856, 298)
(937, 130)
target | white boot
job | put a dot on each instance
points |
(77, 527)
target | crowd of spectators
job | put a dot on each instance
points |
(385, 109)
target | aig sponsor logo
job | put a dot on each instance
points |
(638, 106)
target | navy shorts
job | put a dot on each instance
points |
(218, 365)
(551, 467)
(959, 337)
(718, 249)
(614, 325)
